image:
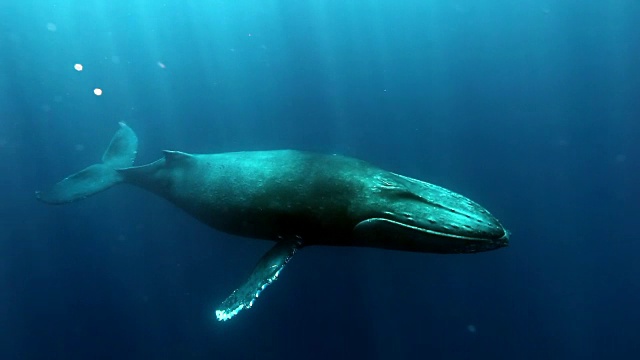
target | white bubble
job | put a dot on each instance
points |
(78, 67)
(97, 91)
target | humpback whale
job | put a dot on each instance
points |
(295, 199)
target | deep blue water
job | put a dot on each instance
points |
(530, 108)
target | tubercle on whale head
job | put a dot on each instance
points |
(422, 217)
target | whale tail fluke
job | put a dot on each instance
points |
(98, 177)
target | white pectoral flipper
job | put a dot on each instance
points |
(265, 272)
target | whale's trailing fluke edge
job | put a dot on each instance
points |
(98, 177)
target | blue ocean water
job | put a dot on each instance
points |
(529, 107)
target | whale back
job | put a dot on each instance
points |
(261, 194)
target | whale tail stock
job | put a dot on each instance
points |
(98, 177)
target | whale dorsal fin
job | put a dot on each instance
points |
(265, 272)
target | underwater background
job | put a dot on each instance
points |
(530, 108)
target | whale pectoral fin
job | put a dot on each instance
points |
(265, 272)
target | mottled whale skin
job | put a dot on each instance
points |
(296, 199)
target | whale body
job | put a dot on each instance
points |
(296, 199)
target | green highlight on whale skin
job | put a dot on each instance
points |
(295, 199)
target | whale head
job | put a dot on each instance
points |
(417, 216)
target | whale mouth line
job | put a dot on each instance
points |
(503, 238)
